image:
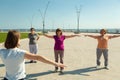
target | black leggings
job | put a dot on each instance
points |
(19, 79)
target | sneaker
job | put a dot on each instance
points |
(56, 70)
(97, 67)
(106, 68)
(61, 71)
(31, 61)
(34, 61)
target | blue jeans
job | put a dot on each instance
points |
(105, 54)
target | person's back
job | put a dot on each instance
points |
(13, 57)
(14, 63)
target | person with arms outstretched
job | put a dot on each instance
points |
(102, 46)
(14, 58)
(59, 46)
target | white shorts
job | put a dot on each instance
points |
(33, 48)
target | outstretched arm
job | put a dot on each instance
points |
(114, 36)
(42, 59)
(71, 36)
(95, 37)
(48, 36)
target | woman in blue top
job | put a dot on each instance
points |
(14, 58)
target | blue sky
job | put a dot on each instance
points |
(60, 13)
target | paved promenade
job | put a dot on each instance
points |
(80, 58)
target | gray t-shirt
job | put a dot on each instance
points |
(14, 63)
(32, 38)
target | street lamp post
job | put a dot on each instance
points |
(32, 21)
(43, 16)
(78, 17)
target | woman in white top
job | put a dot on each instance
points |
(14, 58)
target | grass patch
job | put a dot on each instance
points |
(24, 35)
(3, 36)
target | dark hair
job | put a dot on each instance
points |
(57, 30)
(12, 39)
(103, 30)
(31, 29)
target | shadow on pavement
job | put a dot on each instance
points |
(27, 62)
(73, 72)
(2, 65)
(81, 71)
(30, 76)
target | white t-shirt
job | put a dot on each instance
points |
(14, 63)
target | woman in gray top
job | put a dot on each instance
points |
(33, 47)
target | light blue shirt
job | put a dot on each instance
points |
(14, 63)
